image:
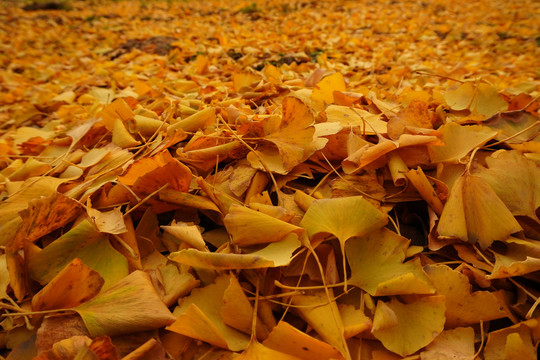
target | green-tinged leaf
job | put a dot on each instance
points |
(131, 305)
(85, 242)
(250, 227)
(378, 267)
(273, 255)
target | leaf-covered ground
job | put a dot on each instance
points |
(270, 180)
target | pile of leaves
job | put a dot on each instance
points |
(271, 180)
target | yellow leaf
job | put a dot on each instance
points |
(257, 351)
(189, 234)
(295, 134)
(131, 305)
(475, 213)
(342, 217)
(237, 311)
(250, 227)
(192, 123)
(376, 262)
(460, 98)
(455, 344)
(176, 284)
(514, 179)
(516, 342)
(354, 320)
(288, 339)
(463, 307)
(198, 316)
(72, 286)
(323, 94)
(85, 242)
(273, 255)
(416, 324)
(370, 124)
(460, 141)
(31, 189)
(520, 257)
(121, 136)
(323, 316)
(110, 222)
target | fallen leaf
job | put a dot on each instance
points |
(463, 306)
(74, 285)
(131, 305)
(85, 242)
(413, 325)
(322, 314)
(378, 267)
(275, 254)
(250, 227)
(290, 340)
(475, 213)
(457, 344)
(198, 316)
(459, 141)
(513, 178)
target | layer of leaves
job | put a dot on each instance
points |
(269, 179)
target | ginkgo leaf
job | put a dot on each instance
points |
(110, 222)
(463, 307)
(514, 179)
(354, 320)
(322, 314)
(31, 189)
(516, 342)
(377, 265)
(4, 277)
(198, 316)
(237, 311)
(459, 141)
(294, 136)
(323, 94)
(44, 215)
(416, 114)
(149, 174)
(519, 257)
(461, 97)
(273, 255)
(250, 227)
(85, 242)
(176, 284)
(121, 136)
(131, 305)
(257, 351)
(74, 285)
(475, 213)
(288, 339)
(488, 101)
(415, 325)
(342, 217)
(374, 155)
(482, 99)
(515, 127)
(370, 124)
(190, 234)
(455, 344)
